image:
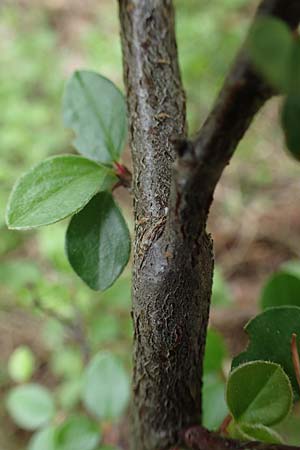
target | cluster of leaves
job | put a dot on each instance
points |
(275, 51)
(103, 390)
(263, 383)
(97, 239)
(264, 380)
(98, 248)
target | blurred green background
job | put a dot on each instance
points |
(255, 220)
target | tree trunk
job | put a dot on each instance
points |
(173, 260)
(172, 274)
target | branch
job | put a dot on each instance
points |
(197, 438)
(201, 162)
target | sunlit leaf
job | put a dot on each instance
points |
(21, 364)
(55, 189)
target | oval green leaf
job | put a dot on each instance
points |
(43, 439)
(105, 387)
(55, 189)
(30, 406)
(21, 364)
(259, 393)
(281, 289)
(270, 46)
(98, 242)
(270, 335)
(95, 109)
(77, 433)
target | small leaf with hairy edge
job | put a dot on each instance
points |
(257, 432)
(281, 289)
(31, 406)
(98, 242)
(259, 392)
(270, 47)
(270, 335)
(77, 433)
(215, 352)
(290, 119)
(105, 387)
(55, 189)
(95, 109)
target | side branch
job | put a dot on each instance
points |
(197, 438)
(201, 162)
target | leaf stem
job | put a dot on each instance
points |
(295, 357)
(224, 425)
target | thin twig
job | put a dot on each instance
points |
(198, 438)
(295, 357)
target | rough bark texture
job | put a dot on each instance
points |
(172, 284)
(173, 259)
(197, 438)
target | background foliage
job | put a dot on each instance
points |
(54, 331)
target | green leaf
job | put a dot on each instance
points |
(289, 428)
(43, 439)
(21, 364)
(104, 328)
(98, 242)
(292, 266)
(290, 119)
(95, 109)
(294, 68)
(214, 405)
(105, 387)
(259, 393)
(77, 433)
(69, 393)
(270, 46)
(55, 189)
(215, 352)
(67, 363)
(270, 335)
(257, 432)
(221, 295)
(31, 406)
(281, 289)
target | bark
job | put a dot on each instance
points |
(173, 259)
(171, 282)
(197, 438)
